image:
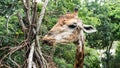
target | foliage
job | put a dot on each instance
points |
(92, 59)
(61, 63)
(66, 52)
(108, 31)
(115, 62)
(65, 56)
(9, 6)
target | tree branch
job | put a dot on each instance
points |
(41, 16)
(30, 57)
(21, 22)
(27, 10)
(24, 3)
(34, 65)
(34, 17)
(8, 18)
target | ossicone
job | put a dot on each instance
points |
(76, 10)
(68, 12)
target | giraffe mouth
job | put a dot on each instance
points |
(48, 42)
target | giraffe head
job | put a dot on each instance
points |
(68, 29)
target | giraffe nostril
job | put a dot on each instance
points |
(50, 33)
(45, 42)
(48, 42)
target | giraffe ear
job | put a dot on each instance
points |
(89, 29)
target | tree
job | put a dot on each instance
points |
(30, 28)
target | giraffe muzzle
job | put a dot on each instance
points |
(48, 42)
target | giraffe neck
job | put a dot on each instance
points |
(79, 58)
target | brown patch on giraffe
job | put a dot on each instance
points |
(62, 20)
(79, 58)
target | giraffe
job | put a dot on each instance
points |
(70, 28)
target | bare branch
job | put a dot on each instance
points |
(28, 3)
(6, 47)
(43, 61)
(24, 3)
(34, 13)
(39, 55)
(13, 49)
(21, 22)
(30, 57)
(4, 57)
(34, 65)
(5, 65)
(27, 10)
(8, 18)
(41, 16)
(38, 59)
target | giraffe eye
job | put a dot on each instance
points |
(72, 26)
